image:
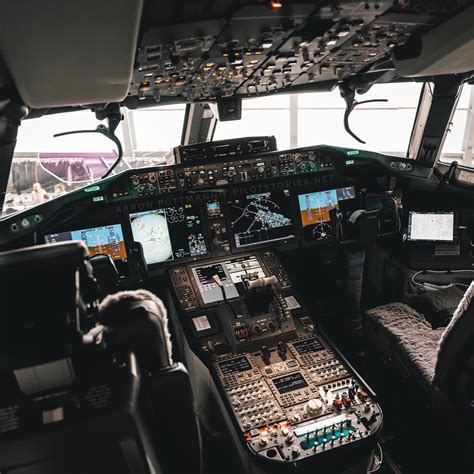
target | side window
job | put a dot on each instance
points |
(459, 142)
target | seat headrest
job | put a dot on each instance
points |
(49, 296)
(65, 253)
(453, 344)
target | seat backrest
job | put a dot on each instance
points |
(49, 297)
(456, 351)
(138, 321)
(66, 404)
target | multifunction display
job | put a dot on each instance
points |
(307, 346)
(261, 218)
(107, 240)
(169, 234)
(234, 366)
(289, 383)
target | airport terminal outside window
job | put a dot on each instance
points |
(146, 136)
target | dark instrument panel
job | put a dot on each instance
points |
(187, 212)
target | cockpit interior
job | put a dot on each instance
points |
(237, 236)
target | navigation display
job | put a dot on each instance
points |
(169, 233)
(234, 366)
(431, 226)
(315, 208)
(230, 273)
(308, 345)
(261, 218)
(107, 240)
(291, 382)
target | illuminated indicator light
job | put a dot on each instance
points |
(276, 4)
(267, 44)
(254, 61)
(209, 65)
(343, 33)
(391, 44)
(225, 55)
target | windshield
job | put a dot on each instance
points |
(148, 134)
(45, 167)
(459, 143)
(299, 120)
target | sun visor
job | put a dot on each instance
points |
(446, 49)
(62, 53)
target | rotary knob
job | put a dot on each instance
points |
(314, 407)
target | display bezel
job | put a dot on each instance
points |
(243, 191)
(103, 218)
(355, 203)
(295, 375)
(198, 205)
(431, 241)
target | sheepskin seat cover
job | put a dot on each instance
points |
(135, 316)
(409, 334)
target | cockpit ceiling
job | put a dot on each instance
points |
(62, 53)
(85, 53)
(256, 49)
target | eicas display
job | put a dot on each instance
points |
(169, 233)
(262, 218)
(315, 211)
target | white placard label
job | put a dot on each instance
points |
(201, 323)
(292, 303)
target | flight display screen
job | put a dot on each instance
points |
(289, 383)
(315, 208)
(308, 345)
(234, 366)
(431, 226)
(170, 233)
(107, 240)
(262, 218)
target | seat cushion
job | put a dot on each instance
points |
(438, 306)
(400, 331)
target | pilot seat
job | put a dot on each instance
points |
(86, 389)
(432, 351)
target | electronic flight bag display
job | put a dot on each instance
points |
(431, 226)
(169, 233)
(261, 218)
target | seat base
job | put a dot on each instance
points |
(398, 331)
